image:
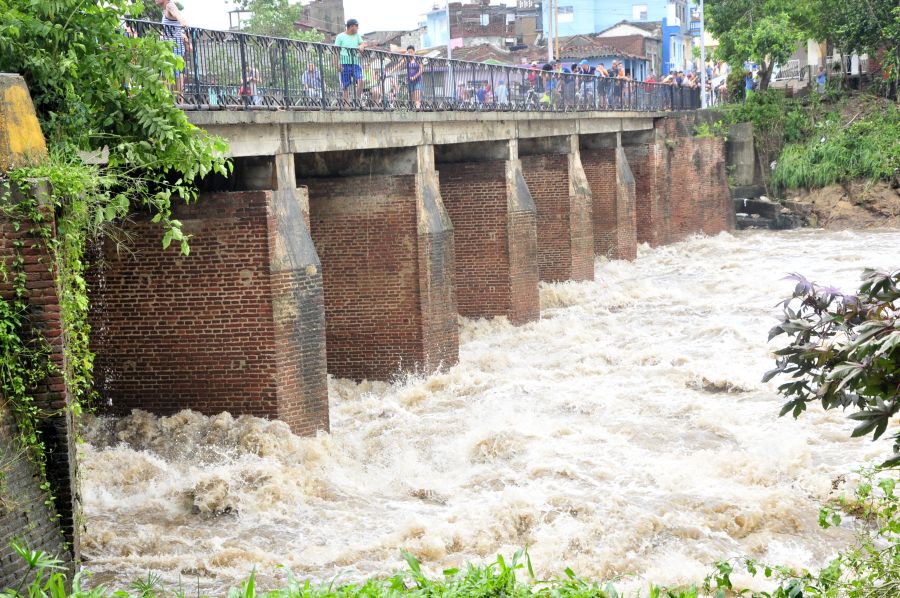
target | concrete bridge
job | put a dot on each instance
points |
(348, 242)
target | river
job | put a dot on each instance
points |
(625, 433)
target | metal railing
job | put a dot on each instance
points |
(232, 70)
(790, 70)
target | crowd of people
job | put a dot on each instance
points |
(365, 78)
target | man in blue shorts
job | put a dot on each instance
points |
(351, 44)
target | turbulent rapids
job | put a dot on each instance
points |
(625, 433)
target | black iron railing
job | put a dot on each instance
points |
(227, 70)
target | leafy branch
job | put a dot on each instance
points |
(844, 352)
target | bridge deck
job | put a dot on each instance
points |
(266, 132)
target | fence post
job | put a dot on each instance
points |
(321, 76)
(245, 98)
(195, 49)
(285, 93)
(383, 78)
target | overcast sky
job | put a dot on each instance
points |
(373, 15)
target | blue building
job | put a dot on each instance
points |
(577, 17)
(437, 29)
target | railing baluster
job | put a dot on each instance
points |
(321, 61)
(243, 89)
(285, 93)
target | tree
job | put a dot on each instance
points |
(844, 351)
(95, 87)
(276, 18)
(867, 27)
(150, 10)
(762, 31)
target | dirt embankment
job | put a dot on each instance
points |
(857, 205)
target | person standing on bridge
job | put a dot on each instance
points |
(351, 44)
(175, 30)
(414, 71)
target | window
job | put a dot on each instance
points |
(639, 12)
(566, 14)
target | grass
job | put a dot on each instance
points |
(866, 149)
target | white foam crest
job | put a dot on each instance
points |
(625, 433)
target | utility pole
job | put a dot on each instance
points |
(550, 32)
(556, 29)
(449, 36)
(703, 99)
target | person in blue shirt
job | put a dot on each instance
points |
(748, 84)
(821, 79)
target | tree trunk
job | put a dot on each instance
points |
(765, 73)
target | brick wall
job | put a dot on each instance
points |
(495, 241)
(703, 205)
(387, 254)
(612, 189)
(23, 512)
(695, 183)
(523, 248)
(236, 326)
(564, 225)
(648, 198)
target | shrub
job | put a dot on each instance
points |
(844, 351)
(866, 149)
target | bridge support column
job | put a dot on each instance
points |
(555, 177)
(387, 250)
(495, 230)
(613, 191)
(645, 152)
(236, 326)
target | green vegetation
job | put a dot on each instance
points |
(81, 203)
(24, 356)
(94, 87)
(815, 142)
(844, 352)
(276, 18)
(767, 32)
(760, 31)
(838, 152)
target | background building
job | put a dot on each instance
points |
(326, 16)
(640, 38)
(579, 17)
(472, 25)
